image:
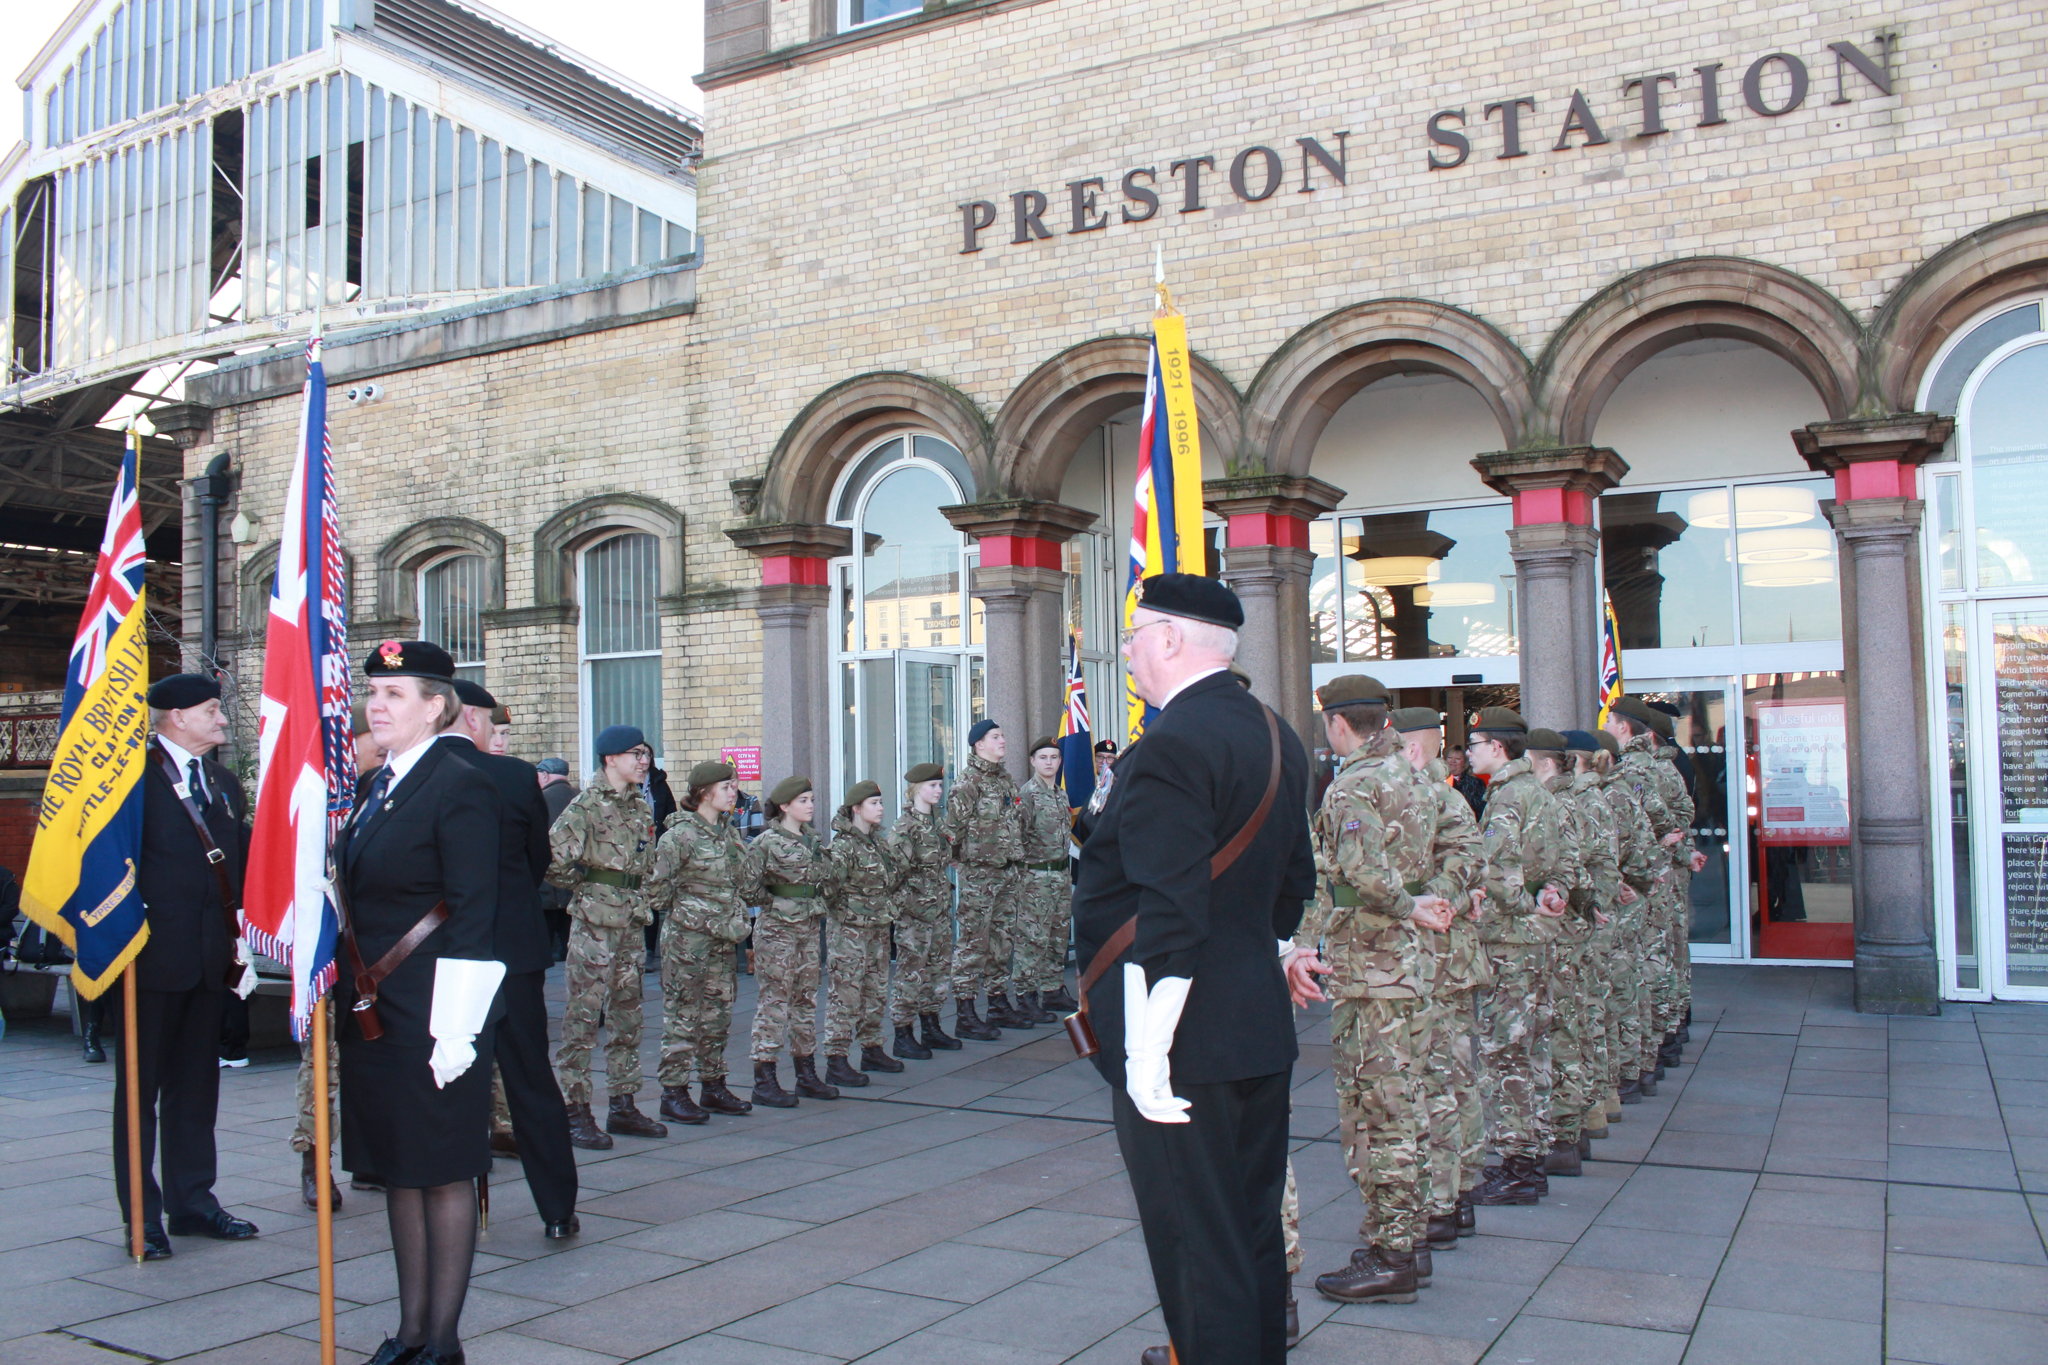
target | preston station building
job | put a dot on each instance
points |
(1729, 315)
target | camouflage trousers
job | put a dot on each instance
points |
(1514, 1049)
(1655, 958)
(1597, 969)
(1674, 989)
(1571, 1024)
(924, 948)
(1044, 926)
(857, 957)
(1457, 1116)
(1624, 968)
(501, 1108)
(1378, 1050)
(1290, 1221)
(302, 1134)
(988, 913)
(786, 970)
(603, 980)
(697, 987)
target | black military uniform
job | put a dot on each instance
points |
(1208, 1190)
(181, 978)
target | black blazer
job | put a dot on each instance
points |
(1181, 793)
(436, 840)
(190, 944)
(523, 858)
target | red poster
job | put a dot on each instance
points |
(746, 762)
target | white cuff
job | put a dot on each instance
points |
(463, 991)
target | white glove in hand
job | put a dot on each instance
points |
(463, 991)
(1150, 1017)
(245, 984)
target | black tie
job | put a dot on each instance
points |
(197, 784)
(379, 785)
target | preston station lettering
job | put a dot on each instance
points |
(1770, 86)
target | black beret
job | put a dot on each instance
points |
(861, 791)
(618, 739)
(925, 772)
(1105, 746)
(1410, 718)
(1193, 597)
(409, 659)
(1353, 689)
(181, 690)
(1047, 743)
(473, 694)
(789, 789)
(1581, 742)
(709, 773)
(1637, 710)
(1545, 742)
(980, 731)
(1503, 720)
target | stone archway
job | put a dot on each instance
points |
(1947, 291)
(848, 418)
(1663, 305)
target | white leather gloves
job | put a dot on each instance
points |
(463, 991)
(1150, 1017)
(245, 984)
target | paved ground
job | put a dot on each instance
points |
(1814, 1186)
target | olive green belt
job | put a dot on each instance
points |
(605, 876)
(1058, 866)
(792, 890)
(1347, 896)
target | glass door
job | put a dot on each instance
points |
(2012, 853)
(900, 710)
(1707, 708)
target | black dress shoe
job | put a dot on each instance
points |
(562, 1229)
(220, 1224)
(155, 1246)
(454, 1357)
(394, 1352)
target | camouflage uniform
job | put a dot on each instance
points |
(704, 877)
(795, 876)
(864, 880)
(985, 831)
(612, 834)
(1044, 915)
(1529, 844)
(1373, 836)
(1647, 779)
(1641, 862)
(1450, 1084)
(302, 1134)
(1674, 991)
(924, 929)
(1575, 981)
(1290, 1222)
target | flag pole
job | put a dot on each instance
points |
(323, 1213)
(131, 1080)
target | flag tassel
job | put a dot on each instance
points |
(131, 1078)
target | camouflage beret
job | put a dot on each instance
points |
(1503, 720)
(709, 773)
(925, 772)
(861, 791)
(1545, 742)
(1410, 718)
(1353, 689)
(789, 789)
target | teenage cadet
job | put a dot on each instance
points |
(1622, 954)
(1656, 786)
(795, 876)
(924, 921)
(1572, 1014)
(1045, 886)
(983, 827)
(858, 912)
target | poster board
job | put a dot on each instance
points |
(745, 760)
(1803, 772)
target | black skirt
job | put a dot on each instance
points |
(397, 1126)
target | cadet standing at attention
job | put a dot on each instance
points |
(704, 875)
(1619, 945)
(1633, 723)
(603, 847)
(795, 875)
(1045, 909)
(858, 911)
(1571, 989)
(1674, 1004)
(924, 920)
(1373, 835)
(986, 831)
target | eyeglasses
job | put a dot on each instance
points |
(1132, 633)
(643, 755)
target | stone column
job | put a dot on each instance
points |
(793, 602)
(1553, 545)
(1266, 561)
(1876, 516)
(1022, 584)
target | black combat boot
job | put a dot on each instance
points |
(1586, 1143)
(969, 1025)
(873, 1058)
(626, 1119)
(1003, 1014)
(1672, 1053)
(908, 1046)
(1060, 1001)
(1382, 1276)
(934, 1036)
(1031, 1009)
(1443, 1232)
(768, 1088)
(95, 1050)
(807, 1083)
(1514, 1181)
(1646, 1085)
(1423, 1267)
(837, 1072)
(1293, 1320)
(1468, 1217)
(1564, 1158)
(583, 1132)
(1631, 1092)
(676, 1104)
(309, 1184)
(719, 1100)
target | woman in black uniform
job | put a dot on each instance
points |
(419, 863)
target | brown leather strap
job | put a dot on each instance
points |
(217, 860)
(368, 979)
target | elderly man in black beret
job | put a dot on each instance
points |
(195, 843)
(1189, 887)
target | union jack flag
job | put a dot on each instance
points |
(1077, 747)
(307, 780)
(1610, 658)
(116, 580)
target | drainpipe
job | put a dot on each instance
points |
(212, 487)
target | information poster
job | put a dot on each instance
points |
(746, 762)
(2021, 649)
(1803, 772)
(2026, 895)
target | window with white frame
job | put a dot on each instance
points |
(860, 13)
(618, 583)
(452, 591)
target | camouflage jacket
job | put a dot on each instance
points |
(983, 824)
(1641, 859)
(706, 876)
(919, 848)
(1459, 857)
(1530, 843)
(1373, 837)
(610, 831)
(1599, 850)
(1651, 782)
(1680, 801)
(1046, 826)
(864, 876)
(788, 859)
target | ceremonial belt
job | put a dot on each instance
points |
(230, 902)
(1059, 865)
(605, 876)
(369, 978)
(1080, 1032)
(795, 891)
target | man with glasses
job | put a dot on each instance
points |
(603, 849)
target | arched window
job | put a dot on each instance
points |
(452, 593)
(618, 580)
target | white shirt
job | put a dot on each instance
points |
(1186, 683)
(401, 764)
(185, 758)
